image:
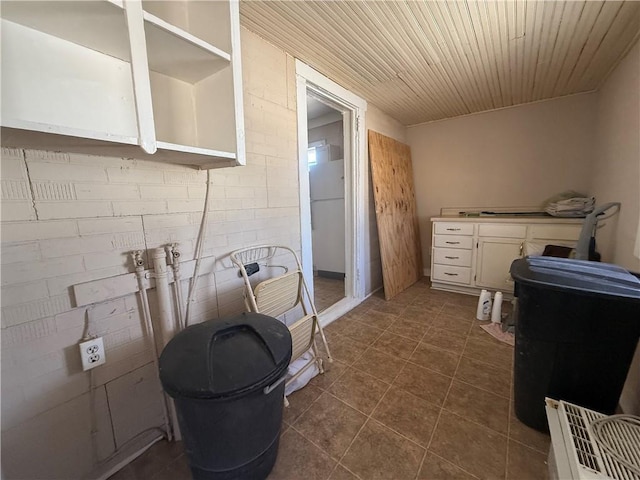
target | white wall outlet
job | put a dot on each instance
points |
(92, 353)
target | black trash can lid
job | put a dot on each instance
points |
(577, 276)
(225, 358)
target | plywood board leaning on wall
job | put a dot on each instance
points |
(396, 215)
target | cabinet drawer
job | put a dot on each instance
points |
(452, 241)
(451, 274)
(442, 228)
(502, 231)
(555, 232)
(452, 256)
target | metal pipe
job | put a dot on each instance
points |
(174, 260)
(202, 234)
(165, 313)
(138, 261)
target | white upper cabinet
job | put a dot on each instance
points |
(158, 80)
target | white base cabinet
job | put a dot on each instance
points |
(469, 254)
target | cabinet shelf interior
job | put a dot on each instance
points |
(96, 25)
(178, 54)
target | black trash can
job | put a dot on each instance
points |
(226, 378)
(577, 328)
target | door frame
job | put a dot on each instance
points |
(355, 186)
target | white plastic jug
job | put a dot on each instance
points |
(483, 311)
(496, 311)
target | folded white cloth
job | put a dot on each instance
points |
(571, 207)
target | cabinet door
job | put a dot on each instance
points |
(494, 260)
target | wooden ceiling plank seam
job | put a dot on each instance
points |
(607, 13)
(588, 17)
(559, 61)
(500, 32)
(397, 97)
(449, 46)
(302, 12)
(323, 66)
(483, 9)
(539, 35)
(430, 79)
(274, 34)
(486, 28)
(616, 38)
(531, 15)
(415, 60)
(362, 47)
(553, 31)
(369, 37)
(501, 37)
(412, 82)
(548, 10)
(476, 24)
(433, 72)
(513, 43)
(431, 96)
(416, 107)
(450, 70)
(472, 54)
(634, 35)
(371, 71)
(354, 48)
(305, 54)
(520, 49)
(453, 32)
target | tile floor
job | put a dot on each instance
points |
(327, 291)
(416, 391)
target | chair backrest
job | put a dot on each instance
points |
(278, 295)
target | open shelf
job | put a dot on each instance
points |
(50, 84)
(205, 20)
(178, 54)
(97, 25)
(198, 116)
(106, 77)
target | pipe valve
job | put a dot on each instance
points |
(138, 259)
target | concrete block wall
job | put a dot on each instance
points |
(68, 219)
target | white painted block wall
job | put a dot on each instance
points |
(68, 219)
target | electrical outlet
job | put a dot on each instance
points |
(92, 353)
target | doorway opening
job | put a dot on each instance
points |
(331, 174)
(326, 162)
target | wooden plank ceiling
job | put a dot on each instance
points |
(421, 60)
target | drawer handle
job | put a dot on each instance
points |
(453, 229)
(452, 243)
(451, 258)
(451, 274)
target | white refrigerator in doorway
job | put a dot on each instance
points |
(326, 184)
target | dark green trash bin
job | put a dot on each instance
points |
(226, 378)
(577, 329)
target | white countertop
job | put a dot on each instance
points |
(508, 219)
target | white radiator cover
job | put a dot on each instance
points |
(574, 453)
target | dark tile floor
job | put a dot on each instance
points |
(416, 391)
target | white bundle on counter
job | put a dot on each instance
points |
(573, 206)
